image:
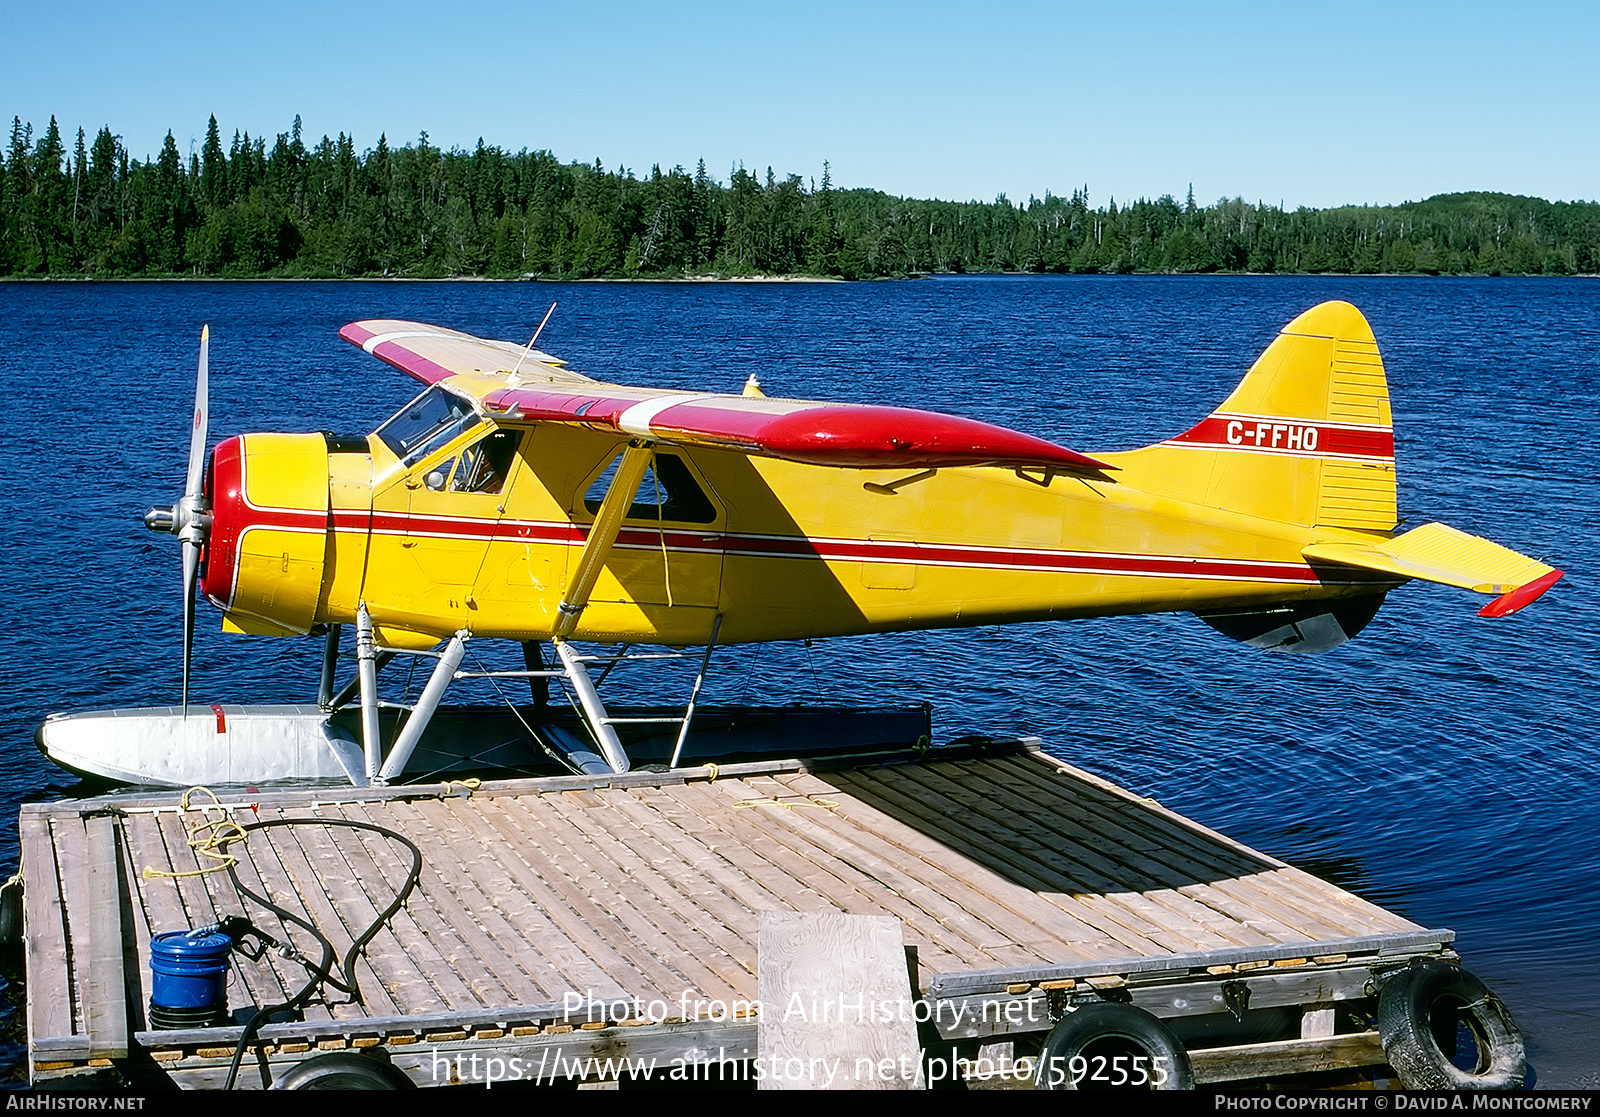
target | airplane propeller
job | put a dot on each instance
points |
(190, 519)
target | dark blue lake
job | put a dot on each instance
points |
(1440, 765)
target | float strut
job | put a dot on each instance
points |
(367, 673)
(444, 673)
(330, 664)
(594, 711)
(694, 695)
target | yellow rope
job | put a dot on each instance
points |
(206, 838)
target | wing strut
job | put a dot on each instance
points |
(602, 535)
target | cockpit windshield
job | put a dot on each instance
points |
(426, 423)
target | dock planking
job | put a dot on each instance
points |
(1009, 871)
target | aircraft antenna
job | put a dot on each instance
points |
(533, 339)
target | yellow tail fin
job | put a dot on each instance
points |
(1306, 437)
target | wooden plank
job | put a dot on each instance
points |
(946, 943)
(741, 872)
(264, 983)
(446, 913)
(1043, 848)
(72, 864)
(580, 962)
(984, 905)
(649, 854)
(1286, 1057)
(106, 1010)
(136, 934)
(1140, 841)
(656, 926)
(1117, 911)
(849, 967)
(1052, 924)
(1123, 828)
(388, 969)
(285, 874)
(158, 896)
(280, 979)
(1074, 865)
(589, 960)
(1315, 909)
(1140, 820)
(471, 873)
(556, 965)
(412, 944)
(48, 964)
(827, 881)
(569, 875)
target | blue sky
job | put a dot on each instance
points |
(1313, 105)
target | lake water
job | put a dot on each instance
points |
(1440, 765)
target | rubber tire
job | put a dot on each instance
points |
(11, 912)
(1406, 1004)
(343, 1071)
(1107, 1020)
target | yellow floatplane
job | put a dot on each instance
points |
(517, 499)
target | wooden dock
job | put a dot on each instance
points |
(567, 917)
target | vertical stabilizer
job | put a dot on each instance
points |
(1306, 437)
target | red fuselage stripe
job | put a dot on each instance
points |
(709, 542)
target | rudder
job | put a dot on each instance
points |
(1306, 437)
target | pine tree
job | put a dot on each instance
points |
(213, 168)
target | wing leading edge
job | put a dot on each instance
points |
(533, 386)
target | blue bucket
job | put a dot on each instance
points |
(189, 978)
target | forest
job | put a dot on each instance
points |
(248, 208)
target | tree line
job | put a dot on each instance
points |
(246, 208)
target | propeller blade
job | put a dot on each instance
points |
(192, 521)
(202, 418)
(191, 572)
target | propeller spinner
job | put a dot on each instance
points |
(190, 518)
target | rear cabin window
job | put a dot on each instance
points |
(668, 492)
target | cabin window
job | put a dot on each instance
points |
(427, 423)
(668, 492)
(484, 466)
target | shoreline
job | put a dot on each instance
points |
(765, 279)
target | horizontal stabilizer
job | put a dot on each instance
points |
(1436, 553)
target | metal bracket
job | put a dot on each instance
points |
(1236, 996)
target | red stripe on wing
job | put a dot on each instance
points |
(846, 435)
(396, 354)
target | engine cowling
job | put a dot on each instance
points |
(267, 549)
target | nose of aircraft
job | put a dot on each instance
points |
(229, 516)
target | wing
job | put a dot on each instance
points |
(533, 386)
(432, 353)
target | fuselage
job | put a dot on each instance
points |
(447, 519)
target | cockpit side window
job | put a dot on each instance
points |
(426, 423)
(484, 466)
(668, 492)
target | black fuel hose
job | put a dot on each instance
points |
(322, 973)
